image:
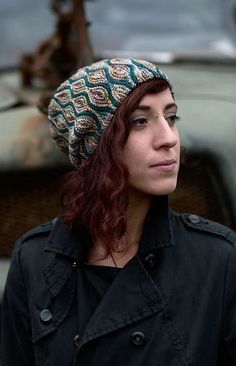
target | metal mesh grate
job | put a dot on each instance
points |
(27, 199)
(201, 191)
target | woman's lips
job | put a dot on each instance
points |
(165, 166)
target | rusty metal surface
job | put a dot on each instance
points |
(68, 48)
(25, 142)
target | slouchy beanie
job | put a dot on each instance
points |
(84, 105)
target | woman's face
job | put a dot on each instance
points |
(152, 151)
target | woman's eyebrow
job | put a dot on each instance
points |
(171, 105)
(144, 107)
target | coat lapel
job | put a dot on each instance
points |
(131, 297)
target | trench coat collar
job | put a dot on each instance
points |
(157, 233)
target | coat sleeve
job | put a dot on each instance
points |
(16, 334)
(228, 344)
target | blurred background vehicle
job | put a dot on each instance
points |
(193, 41)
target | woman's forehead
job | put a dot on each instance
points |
(161, 99)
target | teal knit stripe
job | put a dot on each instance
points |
(93, 118)
(89, 103)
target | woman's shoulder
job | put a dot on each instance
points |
(40, 229)
(200, 227)
(32, 243)
(29, 258)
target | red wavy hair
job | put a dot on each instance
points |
(95, 194)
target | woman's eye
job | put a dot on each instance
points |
(139, 121)
(172, 119)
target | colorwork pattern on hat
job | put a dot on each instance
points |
(85, 104)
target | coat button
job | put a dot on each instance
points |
(46, 316)
(194, 219)
(76, 340)
(150, 260)
(138, 338)
(74, 264)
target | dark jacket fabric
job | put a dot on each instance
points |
(173, 304)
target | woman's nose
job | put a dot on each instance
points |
(165, 135)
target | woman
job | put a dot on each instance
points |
(118, 278)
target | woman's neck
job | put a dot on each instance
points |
(136, 213)
(128, 246)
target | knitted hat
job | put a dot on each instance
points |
(84, 105)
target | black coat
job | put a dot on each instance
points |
(173, 304)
